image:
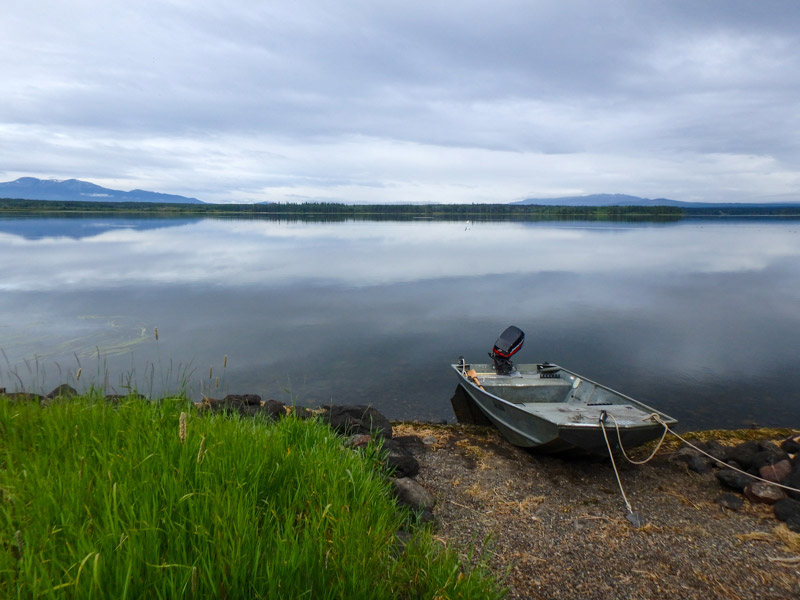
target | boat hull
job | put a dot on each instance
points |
(560, 414)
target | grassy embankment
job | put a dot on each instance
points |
(102, 501)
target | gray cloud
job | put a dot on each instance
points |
(379, 101)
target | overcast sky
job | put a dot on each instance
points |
(378, 101)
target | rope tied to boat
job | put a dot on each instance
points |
(651, 417)
(657, 418)
(632, 515)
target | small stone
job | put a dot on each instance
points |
(793, 524)
(718, 451)
(24, 397)
(764, 493)
(399, 460)
(358, 442)
(360, 418)
(410, 493)
(776, 473)
(63, 391)
(242, 399)
(301, 412)
(767, 457)
(791, 445)
(412, 443)
(793, 481)
(743, 453)
(430, 440)
(786, 508)
(700, 464)
(733, 479)
(684, 454)
(274, 409)
(730, 501)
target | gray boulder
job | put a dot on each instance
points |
(776, 473)
(399, 460)
(786, 508)
(764, 493)
(410, 493)
(63, 391)
(743, 453)
(733, 479)
(730, 501)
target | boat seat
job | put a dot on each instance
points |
(550, 390)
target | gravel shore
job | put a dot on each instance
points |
(556, 528)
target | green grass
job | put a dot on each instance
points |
(102, 501)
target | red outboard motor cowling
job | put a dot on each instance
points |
(508, 344)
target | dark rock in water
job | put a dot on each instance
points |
(63, 391)
(117, 398)
(791, 445)
(350, 420)
(765, 493)
(399, 460)
(410, 493)
(743, 453)
(776, 473)
(276, 410)
(301, 412)
(242, 400)
(786, 508)
(24, 397)
(793, 524)
(248, 405)
(733, 479)
(730, 501)
(465, 409)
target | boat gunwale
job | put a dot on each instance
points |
(668, 420)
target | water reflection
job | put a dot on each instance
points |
(697, 318)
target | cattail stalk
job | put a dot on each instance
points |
(201, 453)
(182, 428)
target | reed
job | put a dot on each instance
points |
(102, 501)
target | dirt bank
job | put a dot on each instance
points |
(557, 528)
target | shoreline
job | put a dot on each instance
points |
(557, 527)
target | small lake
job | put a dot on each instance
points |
(700, 318)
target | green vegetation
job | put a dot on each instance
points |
(346, 211)
(113, 501)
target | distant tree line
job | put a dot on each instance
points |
(333, 211)
(344, 211)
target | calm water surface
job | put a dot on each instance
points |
(698, 318)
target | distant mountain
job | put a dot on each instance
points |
(31, 188)
(625, 200)
(603, 200)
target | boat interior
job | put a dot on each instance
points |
(554, 390)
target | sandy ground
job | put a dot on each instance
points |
(556, 528)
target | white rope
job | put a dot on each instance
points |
(657, 418)
(614, 464)
(652, 454)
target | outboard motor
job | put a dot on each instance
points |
(508, 344)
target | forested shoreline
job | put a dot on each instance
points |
(402, 211)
